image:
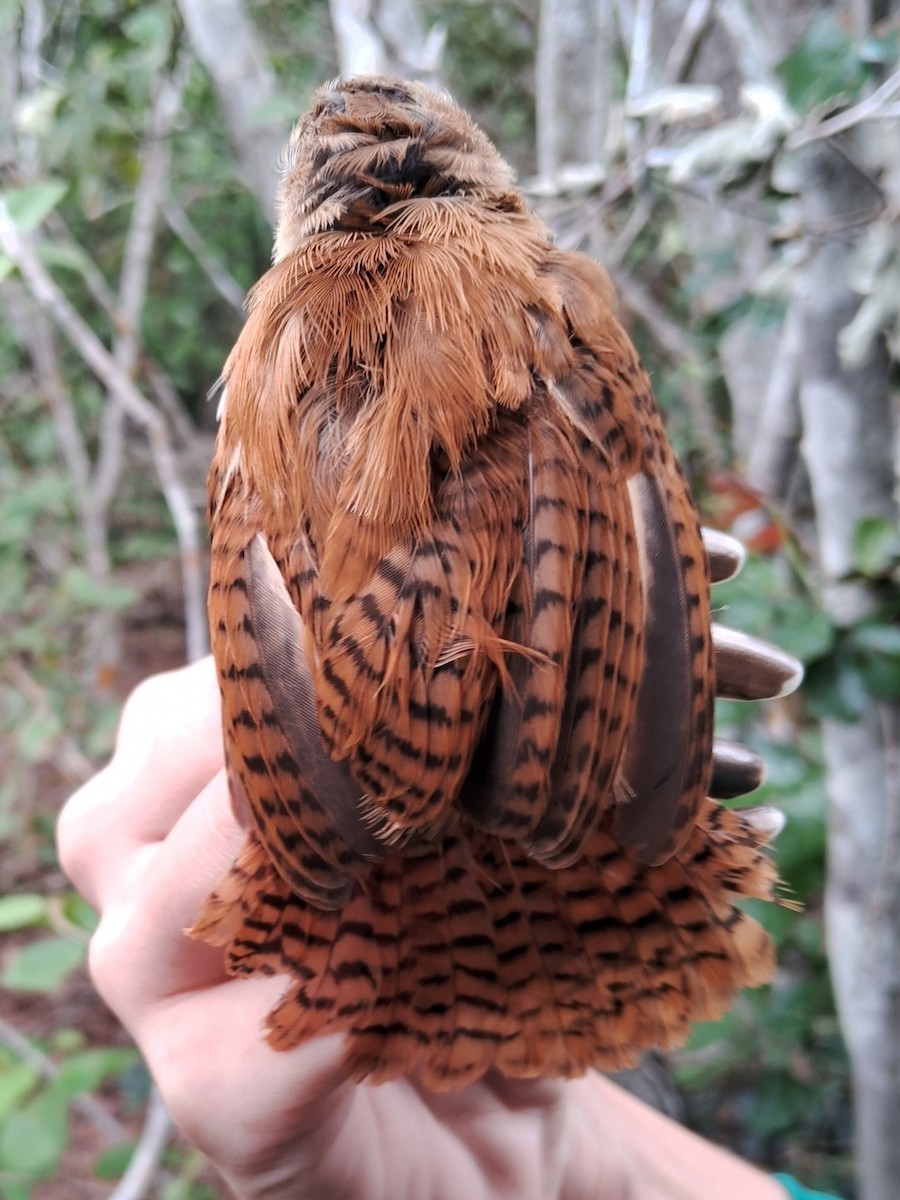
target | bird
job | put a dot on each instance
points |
(459, 606)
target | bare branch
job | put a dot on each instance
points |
(776, 441)
(167, 398)
(89, 1108)
(9, 83)
(148, 197)
(35, 332)
(695, 23)
(224, 283)
(639, 56)
(136, 406)
(751, 51)
(545, 95)
(34, 24)
(94, 279)
(673, 340)
(872, 108)
(572, 93)
(147, 1158)
(69, 756)
(386, 38)
(226, 42)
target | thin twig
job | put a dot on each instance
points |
(147, 1157)
(95, 281)
(752, 53)
(224, 283)
(73, 761)
(692, 28)
(639, 51)
(776, 440)
(89, 1108)
(678, 346)
(631, 230)
(872, 107)
(546, 103)
(136, 406)
(148, 197)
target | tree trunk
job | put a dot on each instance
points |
(847, 444)
(386, 37)
(572, 83)
(226, 42)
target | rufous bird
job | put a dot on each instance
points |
(460, 610)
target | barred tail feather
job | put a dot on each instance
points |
(473, 956)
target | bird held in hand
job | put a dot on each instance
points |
(460, 610)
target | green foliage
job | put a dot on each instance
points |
(776, 1063)
(42, 966)
(35, 1113)
(826, 63)
(876, 547)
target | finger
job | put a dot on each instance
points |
(736, 770)
(767, 821)
(748, 668)
(141, 955)
(726, 555)
(169, 746)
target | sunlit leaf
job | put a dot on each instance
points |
(112, 1162)
(33, 1138)
(16, 1081)
(42, 966)
(826, 63)
(77, 910)
(85, 1072)
(80, 586)
(37, 734)
(878, 638)
(876, 546)
(28, 206)
(21, 910)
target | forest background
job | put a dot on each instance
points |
(736, 166)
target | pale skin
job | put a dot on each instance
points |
(145, 841)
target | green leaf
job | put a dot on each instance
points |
(113, 1162)
(16, 1189)
(77, 910)
(85, 1072)
(876, 546)
(882, 675)
(37, 734)
(148, 27)
(21, 910)
(79, 585)
(27, 207)
(42, 966)
(824, 65)
(878, 638)
(16, 1081)
(33, 1139)
(804, 632)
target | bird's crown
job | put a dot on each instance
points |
(370, 143)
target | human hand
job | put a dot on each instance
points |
(145, 841)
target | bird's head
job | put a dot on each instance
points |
(371, 142)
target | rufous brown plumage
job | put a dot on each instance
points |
(460, 611)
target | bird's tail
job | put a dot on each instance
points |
(471, 956)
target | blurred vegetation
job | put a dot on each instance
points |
(772, 1077)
